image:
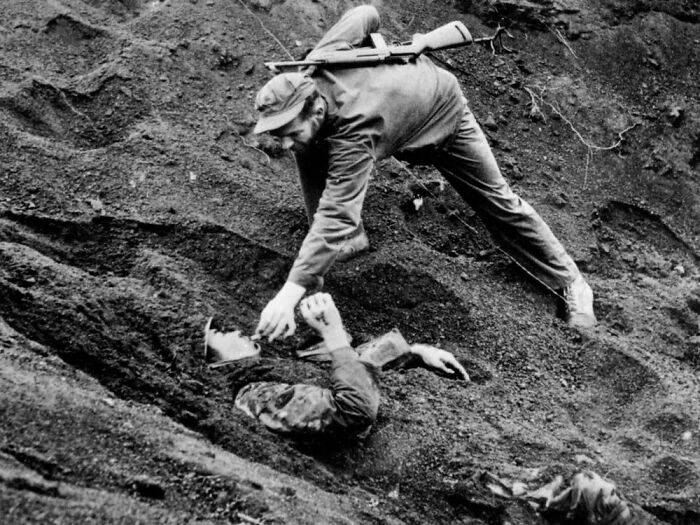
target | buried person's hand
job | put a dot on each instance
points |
(441, 360)
(321, 314)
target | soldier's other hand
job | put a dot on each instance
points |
(441, 360)
(320, 312)
(277, 318)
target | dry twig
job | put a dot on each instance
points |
(496, 37)
(561, 39)
(266, 29)
(535, 109)
(591, 147)
(248, 519)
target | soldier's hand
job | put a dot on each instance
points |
(320, 312)
(441, 360)
(277, 317)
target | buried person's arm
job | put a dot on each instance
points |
(350, 406)
(439, 360)
(354, 382)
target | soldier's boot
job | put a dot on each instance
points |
(354, 246)
(578, 304)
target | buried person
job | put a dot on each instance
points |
(350, 405)
(585, 499)
(340, 121)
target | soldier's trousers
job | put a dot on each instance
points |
(468, 164)
(349, 406)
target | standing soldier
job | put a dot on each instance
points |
(340, 121)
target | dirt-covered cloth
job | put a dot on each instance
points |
(415, 111)
(587, 500)
(591, 500)
(350, 406)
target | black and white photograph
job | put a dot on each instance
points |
(269, 262)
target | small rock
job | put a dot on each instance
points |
(96, 204)
(687, 435)
(517, 174)
(509, 161)
(561, 200)
(464, 276)
(582, 458)
(694, 302)
(675, 115)
(109, 402)
(490, 123)
(679, 269)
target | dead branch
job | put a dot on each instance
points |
(248, 519)
(589, 155)
(585, 142)
(497, 38)
(266, 29)
(563, 40)
(589, 145)
(535, 109)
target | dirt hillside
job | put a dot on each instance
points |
(135, 203)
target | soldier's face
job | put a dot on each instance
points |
(300, 132)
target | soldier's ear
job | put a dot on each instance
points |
(319, 108)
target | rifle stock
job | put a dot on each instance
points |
(450, 35)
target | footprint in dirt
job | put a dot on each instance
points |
(86, 120)
(632, 239)
(72, 46)
(121, 9)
